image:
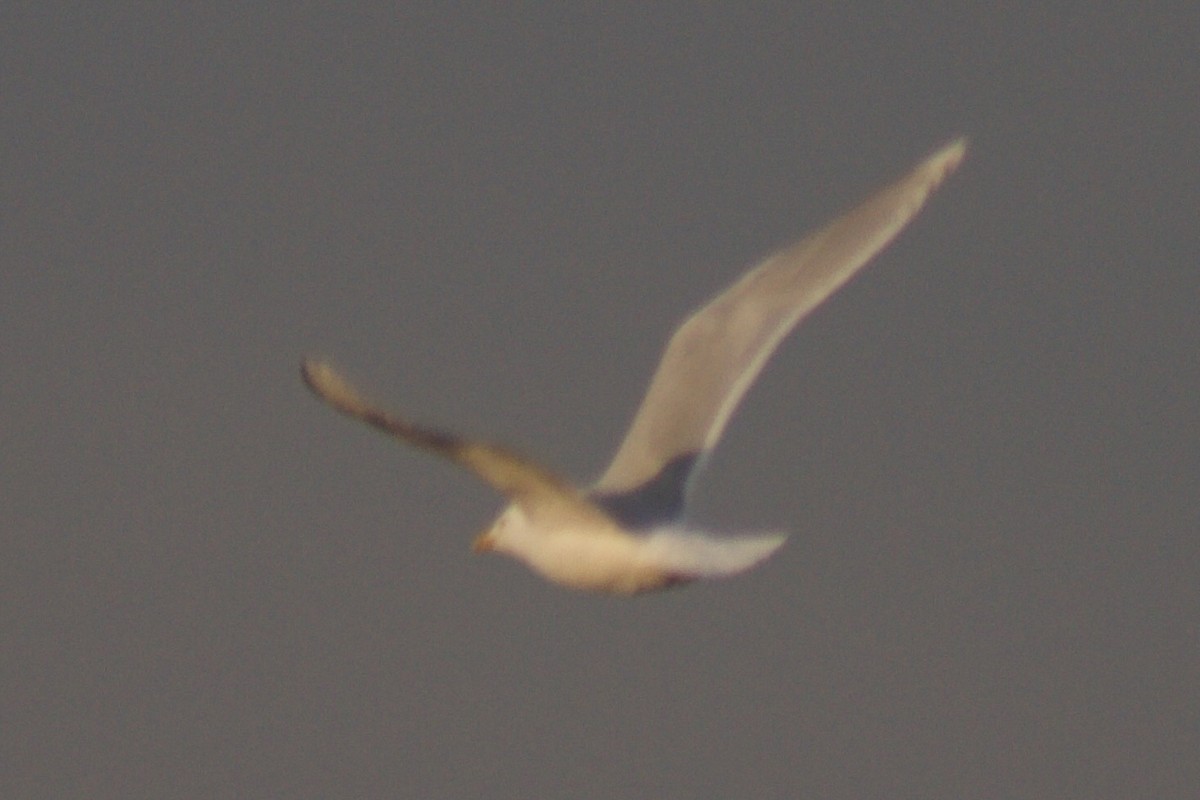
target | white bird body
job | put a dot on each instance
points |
(626, 535)
(604, 557)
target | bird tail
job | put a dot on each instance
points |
(695, 554)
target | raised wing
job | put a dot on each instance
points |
(717, 353)
(518, 478)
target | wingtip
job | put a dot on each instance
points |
(326, 383)
(947, 158)
(313, 371)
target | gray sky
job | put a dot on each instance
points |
(986, 448)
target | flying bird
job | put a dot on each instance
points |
(626, 533)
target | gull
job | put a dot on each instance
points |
(626, 533)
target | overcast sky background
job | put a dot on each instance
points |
(986, 447)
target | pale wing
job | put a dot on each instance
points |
(718, 352)
(517, 477)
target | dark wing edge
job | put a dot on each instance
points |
(509, 473)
